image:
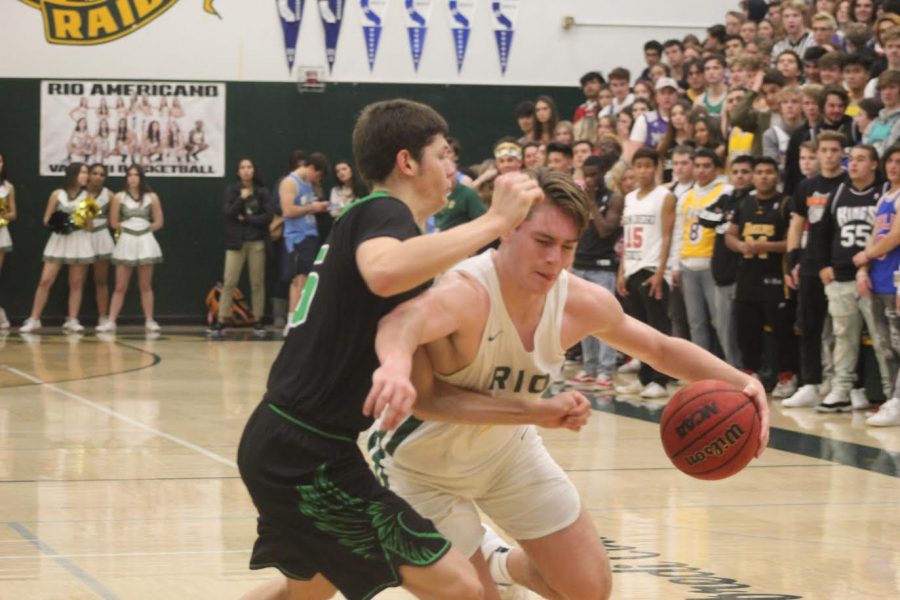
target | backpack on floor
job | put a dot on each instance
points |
(240, 310)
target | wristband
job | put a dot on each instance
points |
(793, 259)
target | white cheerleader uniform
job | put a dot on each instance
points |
(100, 236)
(69, 248)
(136, 245)
(6, 244)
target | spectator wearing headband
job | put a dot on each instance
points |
(507, 159)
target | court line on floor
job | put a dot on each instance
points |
(125, 418)
(851, 454)
(156, 360)
(62, 561)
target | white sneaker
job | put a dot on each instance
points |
(836, 401)
(888, 414)
(632, 366)
(30, 325)
(859, 400)
(633, 388)
(805, 396)
(152, 326)
(654, 390)
(73, 326)
(102, 321)
(4, 322)
(107, 326)
(785, 388)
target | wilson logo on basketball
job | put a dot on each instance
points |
(695, 418)
(719, 446)
(92, 22)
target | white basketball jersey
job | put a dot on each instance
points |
(502, 368)
(642, 222)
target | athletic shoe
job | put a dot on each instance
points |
(259, 329)
(602, 382)
(859, 400)
(654, 391)
(216, 329)
(102, 321)
(4, 322)
(805, 396)
(888, 414)
(73, 326)
(583, 378)
(835, 402)
(633, 388)
(152, 326)
(30, 325)
(106, 327)
(632, 366)
(786, 386)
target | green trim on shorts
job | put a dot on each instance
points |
(377, 453)
(285, 572)
(103, 256)
(136, 263)
(309, 427)
(69, 261)
(6, 249)
(404, 431)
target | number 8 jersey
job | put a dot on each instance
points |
(642, 222)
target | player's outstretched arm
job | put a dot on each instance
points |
(441, 401)
(595, 311)
(437, 313)
(390, 266)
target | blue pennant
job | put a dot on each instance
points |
(290, 12)
(461, 41)
(504, 42)
(332, 13)
(416, 43)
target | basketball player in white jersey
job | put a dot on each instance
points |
(498, 324)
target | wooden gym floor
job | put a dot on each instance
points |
(118, 481)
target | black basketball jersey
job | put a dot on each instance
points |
(718, 216)
(324, 370)
(760, 276)
(852, 216)
(811, 201)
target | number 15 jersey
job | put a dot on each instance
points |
(642, 222)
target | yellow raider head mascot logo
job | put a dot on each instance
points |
(91, 22)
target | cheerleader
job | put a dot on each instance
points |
(7, 215)
(135, 213)
(101, 239)
(73, 249)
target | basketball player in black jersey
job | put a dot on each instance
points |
(324, 520)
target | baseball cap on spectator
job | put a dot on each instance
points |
(666, 82)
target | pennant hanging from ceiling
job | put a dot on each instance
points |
(504, 16)
(461, 13)
(332, 13)
(373, 13)
(418, 12)
(290, 12)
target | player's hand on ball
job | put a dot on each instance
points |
(391, 398)
(755, 390)
(514, 194)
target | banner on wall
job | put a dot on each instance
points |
(332, 13)
(172, 129)
(418, 12)
(290, 13)
(373, 12)
(461, 13)
(504, 15)
(88, 23)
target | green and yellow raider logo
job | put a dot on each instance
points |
(91, 22)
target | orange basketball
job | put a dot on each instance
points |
(710, 429)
